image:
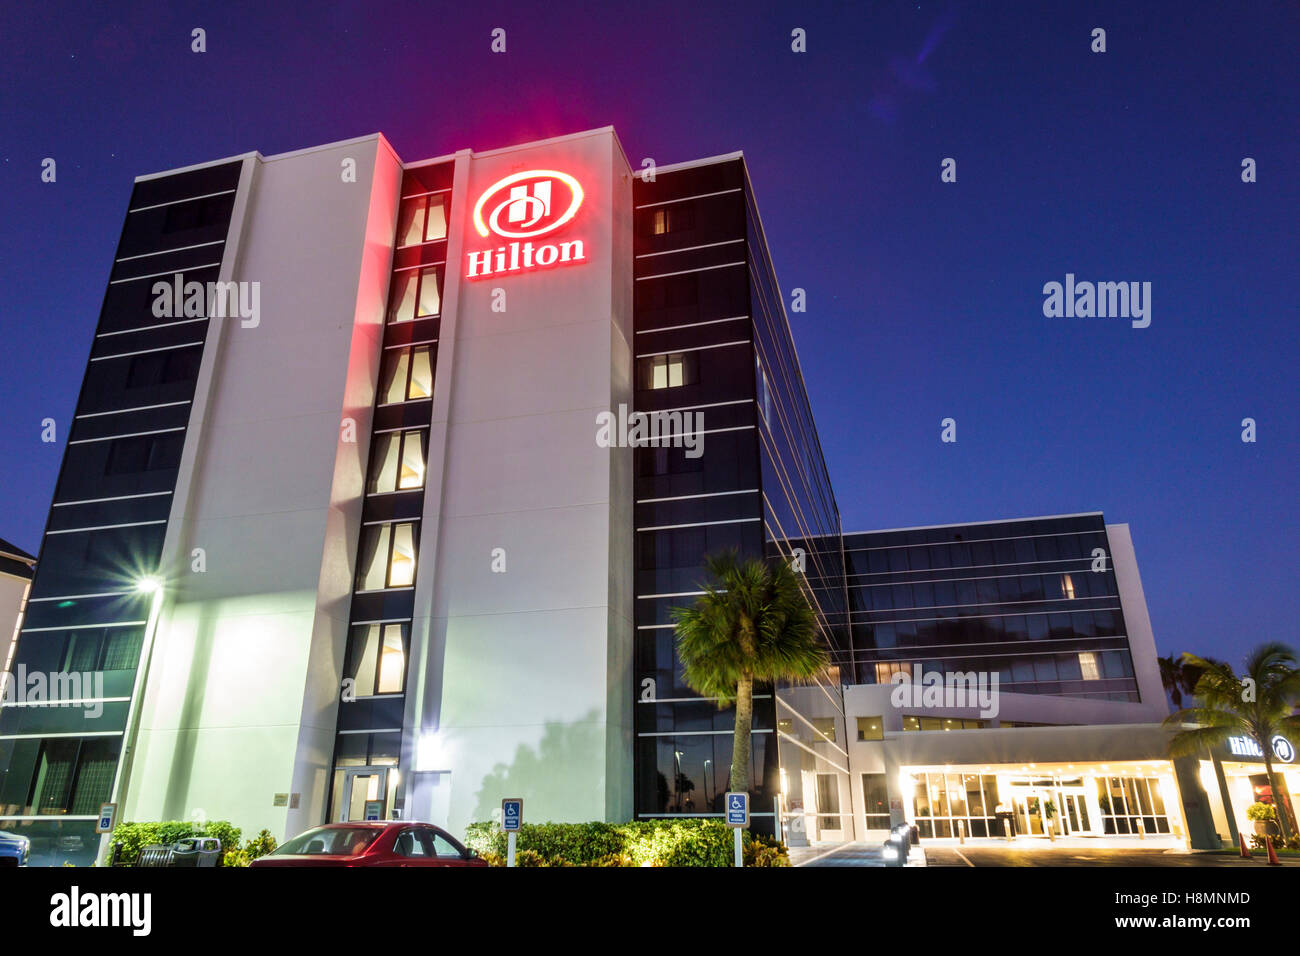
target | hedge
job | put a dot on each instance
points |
(640, 843)
(134, 837)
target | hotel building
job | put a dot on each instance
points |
(337, 534)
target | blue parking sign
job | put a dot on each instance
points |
(737, 809)
(512, 813)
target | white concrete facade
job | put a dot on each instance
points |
(242, 684)
(526, 672)
(517, 681)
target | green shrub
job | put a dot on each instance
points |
(760, 851)
(640, 843)
(134, 837)
(1261, 811)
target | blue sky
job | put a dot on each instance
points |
(924, 298)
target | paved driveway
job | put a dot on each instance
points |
(1074, 856)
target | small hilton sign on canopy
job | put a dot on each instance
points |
(1283, 749)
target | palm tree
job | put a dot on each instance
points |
(753, 623)
(1229, 706)
(1179, 677)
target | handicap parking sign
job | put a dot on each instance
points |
(512, 813)
(737, 809)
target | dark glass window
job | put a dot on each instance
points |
(143, 453)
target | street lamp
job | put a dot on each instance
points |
(152, 586)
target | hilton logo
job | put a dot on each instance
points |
(525, 206)
(1246, 747)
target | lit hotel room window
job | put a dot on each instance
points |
(1088, 664)
(387, 557)
(407, 375)
(379, 663)
(825, 727)
(672, 218)
(398, 462)
(417, 294)
(669, 371)
(887, 669)
(941, 723)
(871, 728)
(422, 219)
(1067, 586)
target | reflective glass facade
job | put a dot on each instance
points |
(712, 339)
(1035, 601)
(85, 626)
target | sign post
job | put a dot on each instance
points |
(512, 815)
(738, 819)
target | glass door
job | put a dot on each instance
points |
(1029, 815)
(1074, 810)
(365, 792)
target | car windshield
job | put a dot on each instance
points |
(331, 841)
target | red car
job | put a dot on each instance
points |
(372, 844)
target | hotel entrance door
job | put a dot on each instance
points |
(1074, 815)
(365, 793)
(1029, 815)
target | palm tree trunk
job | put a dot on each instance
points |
(1278, 803)
(740, 741)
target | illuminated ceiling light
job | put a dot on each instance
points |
(148, 585)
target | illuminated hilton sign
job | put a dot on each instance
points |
(1246, 747)
(521, 208)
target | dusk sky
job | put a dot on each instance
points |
(924, 298)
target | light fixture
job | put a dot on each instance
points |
(148, 585)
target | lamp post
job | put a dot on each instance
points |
(152, 586)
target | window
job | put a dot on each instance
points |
(417, 294)
(661, 460)
(669, 371)
(397, 462)
(1088, 664)
(1067, 587)
(73, 776)
(387, 556)
(673, 218)
(443, 848)
(377, 659)
(1132, 805)
(407, 375)
(668, 292)
(163, 368)
(414, 842)
(143, 453)
(676, 548)
(825, 729)
(948, 805)
(828, 800)
(875, 800)
(764, 390)
(422, 219)
(112, 649)
(195, 213)
(911, 722)
(885, 670)
(871, 728)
